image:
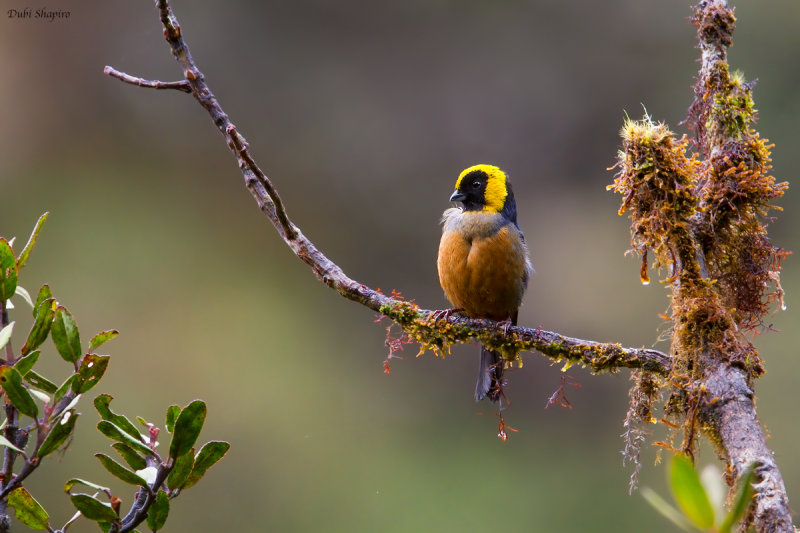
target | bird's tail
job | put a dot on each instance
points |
(490, 376)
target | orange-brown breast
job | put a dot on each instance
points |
(483, 273)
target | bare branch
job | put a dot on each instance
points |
(729, 411)
(435, 334)
(181, 85)
(247, 164)
(144, 500)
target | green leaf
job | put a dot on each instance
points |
(181, 470)
(149, 474)
(209, 455)
(5, 334)
(65, 335)
(43, 321)
(172, 414)
(134, 460)
(23, 256)
(40, 382)
(25, 364)
(22, 293)
(742, 502)
(39, 395)
(8, 271)
(115, 433)
(690, 494)
(101, 403)
(44, 294)
(187, 428)
(63, 389)
(711, 479)
(8, 444)
(93, 509)
(119, 471)
(78, 481)
(11, 381)
(59, 433)
(157, 514)
(27, 509)
(102, 337)
(90, 371)
(667, 510)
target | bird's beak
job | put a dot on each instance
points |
(458, 196)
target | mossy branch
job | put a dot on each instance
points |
(432, 332)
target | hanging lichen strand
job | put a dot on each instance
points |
(703, 216)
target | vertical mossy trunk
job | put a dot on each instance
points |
(702, 214)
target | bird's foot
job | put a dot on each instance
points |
(445, 313)
(506, 325)
(497, 392)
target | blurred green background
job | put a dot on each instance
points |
(363, 114)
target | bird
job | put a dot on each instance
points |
(483, 263)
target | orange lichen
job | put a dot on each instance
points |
(704, 219)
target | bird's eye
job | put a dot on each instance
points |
(476, 184)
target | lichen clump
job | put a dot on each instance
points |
(658, 183)
(703, 215)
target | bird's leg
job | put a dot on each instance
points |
(506, 325)
(445, 313)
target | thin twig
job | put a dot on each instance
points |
(31, 461)
(71, 521)
(17, 479)
(11, 433)
(240, 147)
(146, 498)
(181, 85)
(4, 321)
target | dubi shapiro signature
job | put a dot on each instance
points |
(42, 14)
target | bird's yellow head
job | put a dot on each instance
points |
(484, 188)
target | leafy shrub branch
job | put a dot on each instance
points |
(41, 416)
